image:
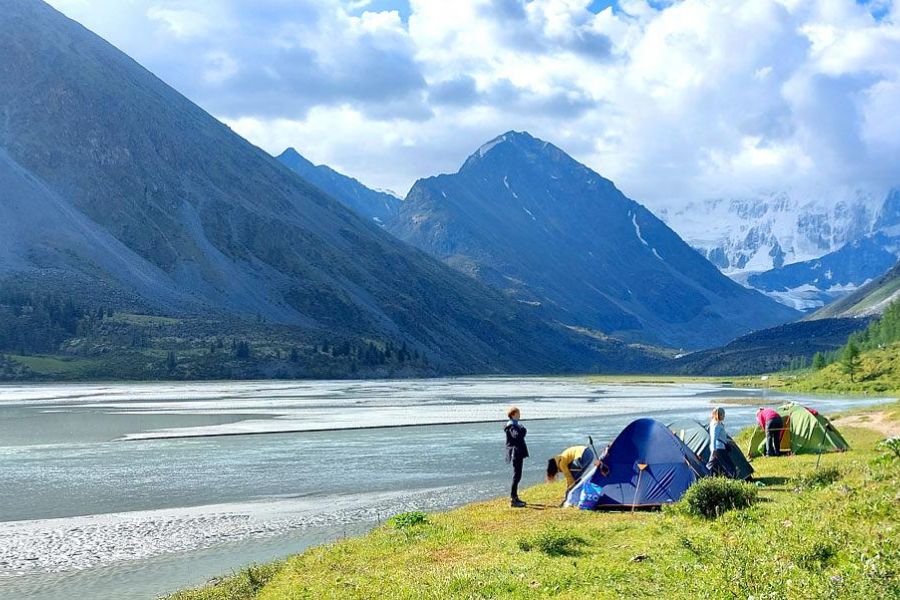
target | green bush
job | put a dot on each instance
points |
(552, 541)
(819, 478)
(713, 496)
(408, 519)
(890, 446)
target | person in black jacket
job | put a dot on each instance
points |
(516, 452)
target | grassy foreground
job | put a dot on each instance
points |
(831, 532)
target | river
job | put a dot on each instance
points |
(129, 491)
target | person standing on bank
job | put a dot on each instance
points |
(516, 452)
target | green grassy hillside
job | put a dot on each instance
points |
(868, 363)
(816, 533)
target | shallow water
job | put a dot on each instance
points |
(130, 491)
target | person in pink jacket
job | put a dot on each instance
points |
(772, 424)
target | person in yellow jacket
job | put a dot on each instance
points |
(571, 462)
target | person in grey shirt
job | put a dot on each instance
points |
(719, 461)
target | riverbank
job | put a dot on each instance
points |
(811, 536)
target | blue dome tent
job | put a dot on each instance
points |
(646, 466)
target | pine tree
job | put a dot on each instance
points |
(171, 361)
(850, 359)
(818, 362)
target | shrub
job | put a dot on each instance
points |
(712, 496)
(552, 541)
(819, 478)
(890, 446)
(408, 519)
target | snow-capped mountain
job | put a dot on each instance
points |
(811, 284)
(526, 218)
(768, 231)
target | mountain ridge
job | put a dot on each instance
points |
(377, 205)
(223, 225)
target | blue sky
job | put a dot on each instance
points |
(673, 100)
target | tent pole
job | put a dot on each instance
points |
(641, 467)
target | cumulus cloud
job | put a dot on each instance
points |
(674, 100)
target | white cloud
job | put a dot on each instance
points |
(700, 98)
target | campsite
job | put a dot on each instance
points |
(822, 526)
(467, 300)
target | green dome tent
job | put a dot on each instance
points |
(805, 432)
(695, 435)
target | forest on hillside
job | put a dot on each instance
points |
(47, 336)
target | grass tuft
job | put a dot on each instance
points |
(553, 541)
(819, 478)
(408, 520)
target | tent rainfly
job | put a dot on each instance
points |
(696, 436)
(646, 466)
(805, 432)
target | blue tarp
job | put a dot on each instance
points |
(670, 468)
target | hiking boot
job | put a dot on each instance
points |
(516, 503)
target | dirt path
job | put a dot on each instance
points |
(879, 421)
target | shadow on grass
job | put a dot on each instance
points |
(772, 481)
(540, 506)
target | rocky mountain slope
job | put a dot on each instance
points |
(376, 205)
(871, 299)
(524, 217)
(122, 188)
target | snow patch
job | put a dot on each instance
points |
(389, 192)
(490, 146)
(637, 232)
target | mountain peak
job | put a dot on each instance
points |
(515, 141)
(293, 159)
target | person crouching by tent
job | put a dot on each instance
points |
(719, 461)
(770, 421)
(516, 452)
(571, 462)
